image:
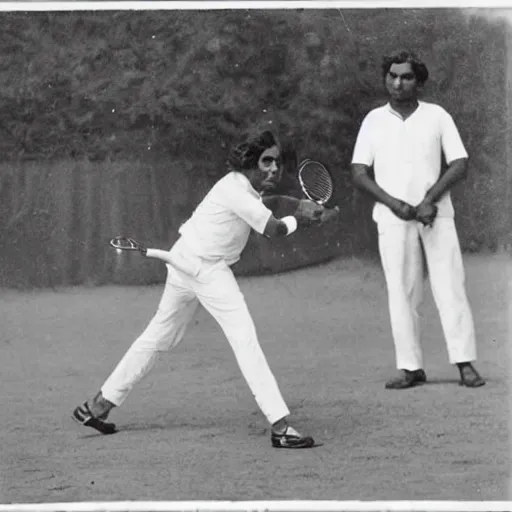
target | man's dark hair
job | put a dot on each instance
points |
(245, 154)
(401, 57)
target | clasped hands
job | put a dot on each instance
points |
(425, 212)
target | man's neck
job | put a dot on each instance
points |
(404, 108)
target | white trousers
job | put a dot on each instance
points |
(400, 247)
(213, 285)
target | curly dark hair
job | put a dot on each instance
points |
(244, 155)
(402, 56)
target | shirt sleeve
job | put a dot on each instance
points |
(451, 142)
(247, 206)
(364, 148)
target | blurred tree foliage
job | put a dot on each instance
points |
(174, 88)
(107, 84)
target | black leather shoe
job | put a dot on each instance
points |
(407, 379)
(83, 415)
(290, 438)
(469, 377)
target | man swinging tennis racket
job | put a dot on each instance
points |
(199, 272)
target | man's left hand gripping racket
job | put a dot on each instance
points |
(124, 243)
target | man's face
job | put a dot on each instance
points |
(267, 175)
(401, 82)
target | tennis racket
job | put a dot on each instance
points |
(124, 243)
(315, 181)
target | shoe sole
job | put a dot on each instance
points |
(411, 385)
(473, 385)
(306, 442)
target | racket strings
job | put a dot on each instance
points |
(317, 182)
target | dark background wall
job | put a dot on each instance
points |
(119, 122)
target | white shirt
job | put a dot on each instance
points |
(407, 155)
(220, 226)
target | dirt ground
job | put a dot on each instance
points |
(192, 431)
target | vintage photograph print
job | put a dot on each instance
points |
(255, 254)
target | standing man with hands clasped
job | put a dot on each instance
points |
(404, 141)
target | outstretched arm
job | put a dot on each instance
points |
(307, 213)
(273, 202)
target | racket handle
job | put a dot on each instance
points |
(138, 246)
(159, 254)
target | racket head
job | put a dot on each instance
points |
(315, 181)
(124, 243)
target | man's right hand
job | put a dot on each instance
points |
(403, 210)
(426, 212)
(308, 212)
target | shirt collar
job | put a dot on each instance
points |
(392, 111)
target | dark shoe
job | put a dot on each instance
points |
(407, 379)
(469, 377)
(290, 438)
(83, 415)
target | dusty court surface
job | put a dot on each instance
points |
(192, 431)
